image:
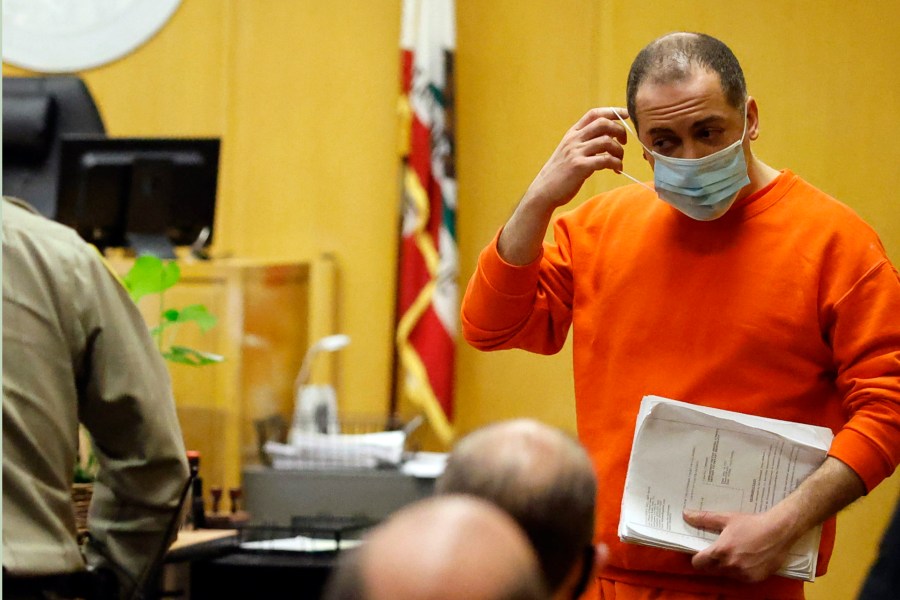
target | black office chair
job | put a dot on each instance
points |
(37, 111)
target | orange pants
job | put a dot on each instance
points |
(616, 590)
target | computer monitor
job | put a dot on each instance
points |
(147, 194)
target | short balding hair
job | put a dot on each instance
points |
(450, 547)
(541, 476)
(674, 57)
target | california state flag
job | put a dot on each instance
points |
(427, 296)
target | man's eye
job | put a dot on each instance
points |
(662, 144)
(709, 134)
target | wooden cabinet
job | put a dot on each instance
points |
(267, 315)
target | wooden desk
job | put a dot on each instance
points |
(175, 577)
(208, 564)
(191, 540)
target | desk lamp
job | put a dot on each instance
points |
(315, 406)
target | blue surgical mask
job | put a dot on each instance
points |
(702, 188)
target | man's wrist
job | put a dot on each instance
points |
(536, 205)
(829, 489)
(790, 518)
(522, 237)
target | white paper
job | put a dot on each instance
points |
(319, 450)
(688, 457)
(425, 465)
(301, 543)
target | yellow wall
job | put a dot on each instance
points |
(303, 93)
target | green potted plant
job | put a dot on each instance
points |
(150, 275)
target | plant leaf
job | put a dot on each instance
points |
(197, 313)
(81, 475)
(188, 356)
(157, 331)
(150, 275)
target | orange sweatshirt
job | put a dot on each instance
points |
(786, 307)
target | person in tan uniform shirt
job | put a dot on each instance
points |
(76, 349)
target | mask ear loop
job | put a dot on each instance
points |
(628, 127)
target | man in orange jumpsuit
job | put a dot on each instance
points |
(727, 284)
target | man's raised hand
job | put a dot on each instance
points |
(593, 144)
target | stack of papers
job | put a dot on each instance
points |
(425, 465)
(688, 457)
(301, 543)
(326, 451)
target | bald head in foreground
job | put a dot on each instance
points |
(544, 479)
(442, 548)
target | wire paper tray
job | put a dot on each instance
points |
(306, 534)
(360, 442)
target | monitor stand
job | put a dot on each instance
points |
(150, 243)
(148, 212)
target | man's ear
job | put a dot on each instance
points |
(752, 119)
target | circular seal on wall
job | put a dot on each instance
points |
(53, 36)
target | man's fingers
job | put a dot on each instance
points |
(602, 112)
(710, 521)
(602, 161)
(605, 125)
(705, 560)
(618, 113)
(712, 561)
(603, 144)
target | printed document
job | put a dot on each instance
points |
(689, 457)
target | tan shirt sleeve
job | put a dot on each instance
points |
(127, 406)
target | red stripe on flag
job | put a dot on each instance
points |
(420, 151)
(413, 274)
(435, 347)
(406, 67)
(420, 162)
